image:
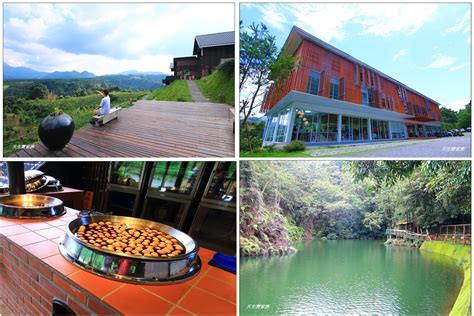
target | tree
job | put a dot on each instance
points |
(38, 91)
(464, 117)
(258, 51)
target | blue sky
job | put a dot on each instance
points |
(425, 46)
(107, 38)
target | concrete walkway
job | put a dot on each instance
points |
(195, 92)
(445, 147)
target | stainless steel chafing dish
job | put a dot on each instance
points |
(30, 206)
(130, 268)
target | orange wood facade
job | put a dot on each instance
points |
(352, 77)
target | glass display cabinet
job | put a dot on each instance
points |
(126, 180)
(171, 189)
(214, 225)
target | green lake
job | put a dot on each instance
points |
(350, 277)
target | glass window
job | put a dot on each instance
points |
(305, 126)
(176, 177)
(334, 91)
(223, 185)
(398, 130)
(346, 129)
(365, 96)
(270, 130)
(332, 128)
(379, 129)
(323, 128)
(283, 122)
(356, 128)
(313, 82)
(364, 132)
(127, 173)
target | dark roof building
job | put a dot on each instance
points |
(208, 52)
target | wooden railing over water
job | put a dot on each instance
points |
(460, 233)
(405, 234)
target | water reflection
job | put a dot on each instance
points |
(350, 277)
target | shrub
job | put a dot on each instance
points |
(295, 145)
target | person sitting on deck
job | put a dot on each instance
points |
(104, 106)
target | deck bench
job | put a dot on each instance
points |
(104, 119)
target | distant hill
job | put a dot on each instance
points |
(69, 75)
(136, 72)
(24, 73)
(17, 73)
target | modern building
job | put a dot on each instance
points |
(332, 97)
(209, 51)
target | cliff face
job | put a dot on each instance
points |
(262, 227)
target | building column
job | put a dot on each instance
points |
(369, 128)
(291, 122)
(406, 130)
(389, 130)
(339, 127)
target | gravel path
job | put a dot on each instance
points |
(195, 92)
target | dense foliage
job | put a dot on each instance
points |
(284, 201)
(252, 138)
(456, 119)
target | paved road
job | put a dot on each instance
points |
(446, 147)
(195, 92)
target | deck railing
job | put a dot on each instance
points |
(449, 233)
(405, 234)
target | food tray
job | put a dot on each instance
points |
(131, 268)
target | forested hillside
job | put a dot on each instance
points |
(286, 201)
(85, 86)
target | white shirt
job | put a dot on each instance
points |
(105, 105)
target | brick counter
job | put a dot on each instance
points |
(32, 272)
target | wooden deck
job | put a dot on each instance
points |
(153, 129)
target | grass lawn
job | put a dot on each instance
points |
(177, 91)
(294, 154)
(218, 87)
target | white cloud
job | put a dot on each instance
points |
(47, 59)
(463, 24)
(272, 15)
(326, 21)
(441, 61)
(402, 52)
(458, 67)
(112, 32)
(386, 19)
(329, 21)
(456, 105)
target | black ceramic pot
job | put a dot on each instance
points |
(56, 130)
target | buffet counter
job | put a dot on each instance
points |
(33, 272)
